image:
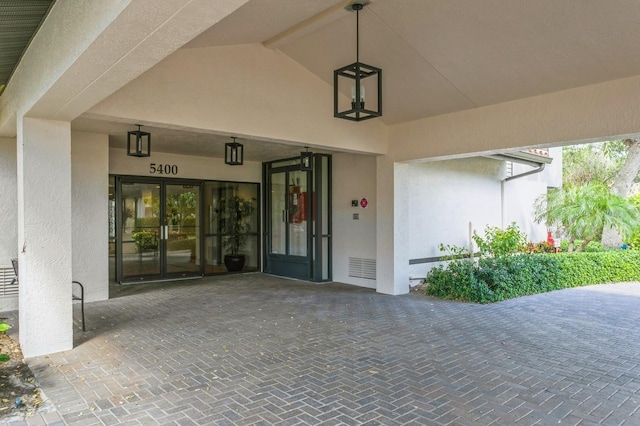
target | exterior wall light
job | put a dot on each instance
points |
(233, 153)
(306, 160)
(355, 76)
(139, 143)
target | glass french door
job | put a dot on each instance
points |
(159, 229)
(298, 237)
(289, 244)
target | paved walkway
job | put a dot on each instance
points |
(259, 350)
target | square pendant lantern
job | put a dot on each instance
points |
(358, 79)
(138, 143)
(233, 153)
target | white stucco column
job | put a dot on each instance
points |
(44, 236)
(392, 227)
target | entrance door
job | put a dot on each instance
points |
(298, 218)
(289, 246)
(159, 231)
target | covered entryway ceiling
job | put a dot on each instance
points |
(443, 56)
(438, 56)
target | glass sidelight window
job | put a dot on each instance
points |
(182, 229)
(231, 225)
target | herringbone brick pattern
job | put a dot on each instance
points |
(259, 350)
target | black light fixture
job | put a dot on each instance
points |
(306, 160)
(233, 153)
(139, 143)
(355, 74)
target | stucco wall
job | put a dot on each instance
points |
(89, 197)
(189, 167)
(445, 197)
(8, 202)
(519, 197)
(354, 178)
(8, 212)
(449, 195)
(221, 89)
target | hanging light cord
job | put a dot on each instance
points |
(358, 34)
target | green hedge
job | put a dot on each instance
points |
(146, 222)
(495, 279)
(184, 244)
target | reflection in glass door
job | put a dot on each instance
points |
(139, 246)
(297, 214)
(278, 211)
(159, 235)
(182, 229)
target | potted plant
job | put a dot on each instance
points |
(235, 215)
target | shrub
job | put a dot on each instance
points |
(147, 222)
(501, 242)
(541, 247)
(594, 247)
(580, 269)
(145, 241)
(495, 279)
(183, 244)
(4, 327)
(591, 247)
(458, 281)
(634, 241)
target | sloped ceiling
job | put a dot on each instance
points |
(443, 56)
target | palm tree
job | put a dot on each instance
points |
(584, 211)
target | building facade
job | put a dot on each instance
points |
(382, 193)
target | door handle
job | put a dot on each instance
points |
(164, 232)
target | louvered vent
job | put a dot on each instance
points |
(362, 268)
(6, 276)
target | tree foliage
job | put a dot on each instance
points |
(584, 211)
(596, 162)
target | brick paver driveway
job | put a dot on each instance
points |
(256, 349)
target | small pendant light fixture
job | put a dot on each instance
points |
(139, 143)
(306, 160)
(355, 74)
(233, 153)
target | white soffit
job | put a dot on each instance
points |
(443, 56)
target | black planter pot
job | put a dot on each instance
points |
(234, 262)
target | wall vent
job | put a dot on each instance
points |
(362, 268)
(6, 276)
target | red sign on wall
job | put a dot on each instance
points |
(364, 203)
